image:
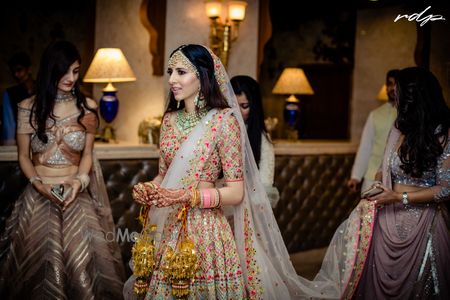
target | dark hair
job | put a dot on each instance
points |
(255, 124)
(200, 57)
(19, 59)
(392, 74)
(424, 119)
(55, 61)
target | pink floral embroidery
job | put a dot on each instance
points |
(253, 270)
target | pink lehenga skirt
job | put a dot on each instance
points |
(219, 275)
(50, 254)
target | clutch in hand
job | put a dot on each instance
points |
(372, 191)
(61, 192)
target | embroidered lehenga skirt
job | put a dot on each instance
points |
(219, 275)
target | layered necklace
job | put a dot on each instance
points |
(185, 121)
(64, 97)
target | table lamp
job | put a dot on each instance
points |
(109, 65)
(382, 94)
(291, 82)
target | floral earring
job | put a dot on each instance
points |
(200, 101)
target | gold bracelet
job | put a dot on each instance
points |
(218, 199)
(195, 198)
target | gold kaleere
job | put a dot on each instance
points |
(181, 265)
(143, 254)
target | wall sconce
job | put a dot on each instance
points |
(292, 81)
(109, 65)
(222, 34)
(382, 94)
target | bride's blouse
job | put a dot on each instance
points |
(223, 134)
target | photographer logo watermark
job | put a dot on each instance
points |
(419, 18)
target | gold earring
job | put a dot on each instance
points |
(178, 104)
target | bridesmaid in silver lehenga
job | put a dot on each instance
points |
(54, 245)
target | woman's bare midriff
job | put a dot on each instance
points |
(56, 175)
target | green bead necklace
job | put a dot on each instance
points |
(186, 121)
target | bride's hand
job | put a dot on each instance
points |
(140, 194)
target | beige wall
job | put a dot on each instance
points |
(118, 25)
(380, 45)
(440, 51)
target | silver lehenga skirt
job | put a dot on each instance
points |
(50, 254)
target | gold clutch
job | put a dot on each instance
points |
(372, 191)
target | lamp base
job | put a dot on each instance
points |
(291, 116)
(109, 133)
(109, 107)
(292, 134)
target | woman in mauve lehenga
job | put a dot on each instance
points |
(409, 253)
(54, 245)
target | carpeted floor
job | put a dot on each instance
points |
(307, 263)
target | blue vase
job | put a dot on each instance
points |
(109, 106)
(291, 113)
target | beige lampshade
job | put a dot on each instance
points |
(109, 65)
(293, 81)
(236, 10)
(382, 94)
(213, 8)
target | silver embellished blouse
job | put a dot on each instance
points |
(438, 178)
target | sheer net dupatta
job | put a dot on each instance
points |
(268, 271)
(98, 192)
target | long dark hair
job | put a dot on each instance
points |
(55, 61)
(209, 88)
(423, 118)
(255, 124)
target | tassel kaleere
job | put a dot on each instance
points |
(143, 254)
(181, 265)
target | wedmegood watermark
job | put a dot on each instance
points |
(119, 236)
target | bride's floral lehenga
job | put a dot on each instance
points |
(217, 151)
